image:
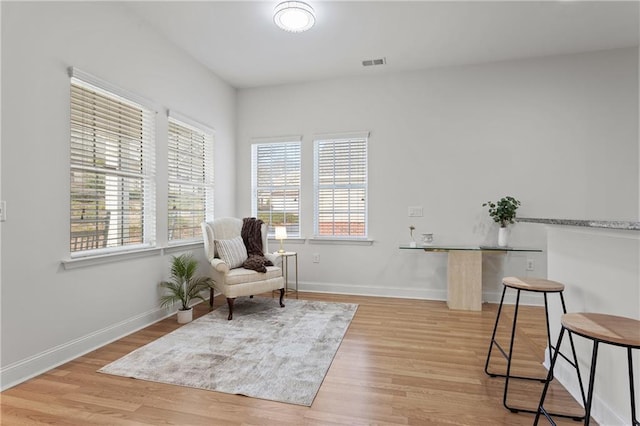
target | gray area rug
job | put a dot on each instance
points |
(268, 352)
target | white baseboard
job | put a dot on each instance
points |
(526, 298)
(25, 369)
(361, 290)
(565, 374)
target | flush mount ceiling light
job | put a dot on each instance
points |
(294, 16)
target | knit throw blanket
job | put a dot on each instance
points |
(252, 237)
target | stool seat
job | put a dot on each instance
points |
(533, 284)
(606, 328)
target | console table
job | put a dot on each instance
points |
(464, 272)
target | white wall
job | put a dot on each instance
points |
(558, 133)
(50, 314)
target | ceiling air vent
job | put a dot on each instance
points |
(371, 62)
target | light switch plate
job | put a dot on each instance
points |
(3, 211)
(415, 211)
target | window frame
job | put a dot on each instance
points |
(80, 133)
(340, 138)
(256, 144)
(208, 135)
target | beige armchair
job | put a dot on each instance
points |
(238, 281)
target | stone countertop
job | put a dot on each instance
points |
(606, 224)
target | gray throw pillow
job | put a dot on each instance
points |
(232, 252)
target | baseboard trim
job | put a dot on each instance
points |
(361, 290)
(25, 369)
(526, 298)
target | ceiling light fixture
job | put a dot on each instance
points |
(294, 16)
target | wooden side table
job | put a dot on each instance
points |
(285, 269)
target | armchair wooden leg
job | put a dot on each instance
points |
(210, 298)
(230, 303)
(281, 297)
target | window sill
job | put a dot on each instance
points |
(81, 262)
(342, 241)
(294, 240)
(92, 260)
(183, 246)
(334, 241)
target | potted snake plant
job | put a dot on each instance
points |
(184, 287)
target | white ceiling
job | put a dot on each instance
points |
(239, 42)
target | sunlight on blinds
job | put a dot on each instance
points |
(276, 185)
(112, 171)
(340, 180)
(190, 170)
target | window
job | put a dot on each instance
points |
(112, 169)
(190, 179)
(275, 176)
(340, 186)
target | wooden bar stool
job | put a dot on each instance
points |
(601, 328)
(537, 285)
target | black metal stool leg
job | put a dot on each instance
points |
(634, 419)
(546, 316)
(541, 409)
(493, 335)
(574, 363)
(510, 357)
(592, 379)
(564, 307)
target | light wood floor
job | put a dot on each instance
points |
(401, 362)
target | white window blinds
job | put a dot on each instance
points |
(340, 186)
(190, 174)
(276, 184)
(112, 170)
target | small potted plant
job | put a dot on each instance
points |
(183, 286)
(412, 243)
(504, 213)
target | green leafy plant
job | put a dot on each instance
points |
(503, 211)
(183, 286)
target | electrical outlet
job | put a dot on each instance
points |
(531, 265)
(316, 258)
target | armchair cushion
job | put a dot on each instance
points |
(243, 275)
(233, 252)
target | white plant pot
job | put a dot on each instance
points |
(185, 316)
(503, 237)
